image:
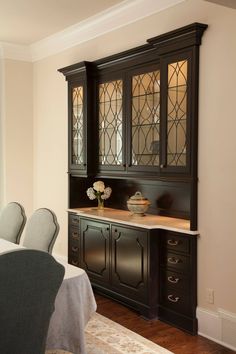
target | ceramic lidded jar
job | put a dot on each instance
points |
(137, 204)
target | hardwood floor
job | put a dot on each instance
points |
(158, 332)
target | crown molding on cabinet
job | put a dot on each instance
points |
(120, 15)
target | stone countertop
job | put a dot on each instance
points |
(147, 221)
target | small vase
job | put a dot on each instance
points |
(100, 204)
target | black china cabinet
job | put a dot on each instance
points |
(133, 122)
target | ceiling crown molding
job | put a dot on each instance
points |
(115, 17)
(15, 51)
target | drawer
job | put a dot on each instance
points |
(175, 261)
(176, 281)
(73, 233)
(175, 242)
(73, 259)
(73, 220)
(73, 241)
(73, 246)
(175, 300)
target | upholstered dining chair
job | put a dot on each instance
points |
(29, 283)
(41, 230)
(12, 222)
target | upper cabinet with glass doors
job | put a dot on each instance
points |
(77, 127)
(81, 123)
(135, 113)
(144, 128)
(177, 113)
(110, 124)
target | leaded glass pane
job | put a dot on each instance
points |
(110, 123)
(177, 113)
(77, 126)
(146, 119)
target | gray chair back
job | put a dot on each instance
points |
(29, 282)
(41, 230)
(12, 222)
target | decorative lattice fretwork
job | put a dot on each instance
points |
(77, 127)
(110, 123)
(177, 113)
(146, 119)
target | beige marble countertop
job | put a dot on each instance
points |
(147, 221)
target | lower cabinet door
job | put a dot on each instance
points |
(95, 250)
(129, 261)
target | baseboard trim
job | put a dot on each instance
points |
(217, 326)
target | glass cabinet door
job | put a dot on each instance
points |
(177, 113)
(110, 121)
(145, 121)
(77, 148)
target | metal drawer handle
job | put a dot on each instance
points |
(74, 249)
(75, 263)
(173, 280)
(174, 260)
(75, 234)
(75, 221)
(173, 242)
(173, 298)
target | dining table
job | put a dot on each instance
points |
(74, 306)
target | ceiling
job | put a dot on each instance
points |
(28, 21)
(31, 30)
(227, 3)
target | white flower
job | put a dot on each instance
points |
(107, 193)
(91, 194)
(98, 191)
(99, 186)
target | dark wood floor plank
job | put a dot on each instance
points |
(158, 332)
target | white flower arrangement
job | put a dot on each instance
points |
(99, 192)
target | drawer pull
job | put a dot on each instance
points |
(174, 260)
(75, 234)
(173, 298)
(75, 221)
(74, 249)
(75, 263)
(173, 242)
(173, 280)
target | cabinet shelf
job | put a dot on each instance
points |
(145, 125)
(111, 101)
(181, 88)
(149, 95)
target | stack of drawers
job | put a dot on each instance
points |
(73, 241)
(178, 279)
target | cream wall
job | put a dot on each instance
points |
(217, 145)
(2, 136)
(16, 167)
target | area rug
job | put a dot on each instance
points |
(104, 336)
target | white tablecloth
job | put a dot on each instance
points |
(74, 306)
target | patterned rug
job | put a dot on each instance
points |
(104, 336)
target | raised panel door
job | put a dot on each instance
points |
(129, 261)
(95, 249)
